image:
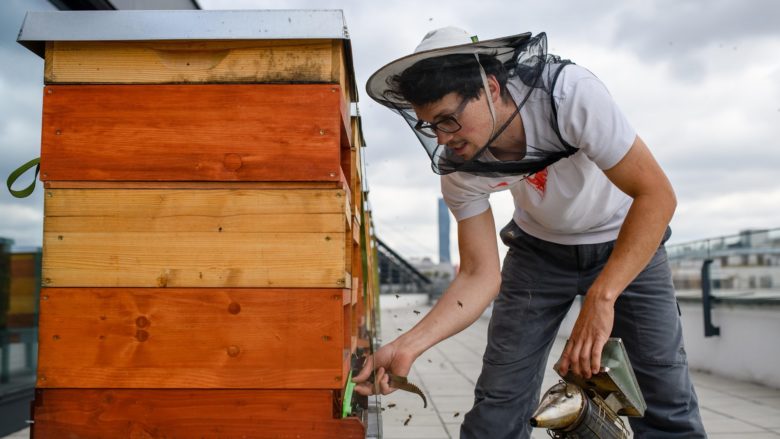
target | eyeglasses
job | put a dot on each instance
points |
(448, 124)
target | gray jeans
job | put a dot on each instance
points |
(540, 280)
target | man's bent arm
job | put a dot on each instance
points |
(639, 176)
(472, 290)
(651, 211)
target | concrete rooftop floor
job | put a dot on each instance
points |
(448, 372)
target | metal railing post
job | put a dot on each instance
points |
(707, 299)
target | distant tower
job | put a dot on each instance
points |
(444, 232)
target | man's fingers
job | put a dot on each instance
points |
(563, 363)
(584, 358)
(384, 385)
(365, 389)
(574, 357)
(595, 356)
(365, 372)
(379, 377)
(383, 382)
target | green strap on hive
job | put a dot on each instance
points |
(346, 407)
(18, 173)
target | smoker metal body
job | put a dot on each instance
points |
(568, 411)
(590, 408)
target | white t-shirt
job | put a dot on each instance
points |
(571, 201)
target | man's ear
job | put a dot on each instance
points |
(495, 87)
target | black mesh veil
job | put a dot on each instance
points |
(530, 71)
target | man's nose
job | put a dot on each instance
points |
(443, 137)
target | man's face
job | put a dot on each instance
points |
(472, 116)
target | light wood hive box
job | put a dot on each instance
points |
(208, 263)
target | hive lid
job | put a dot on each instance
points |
(134, 25)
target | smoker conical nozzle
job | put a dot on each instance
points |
(561, 406)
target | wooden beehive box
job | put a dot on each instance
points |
(5, 280)
(24, 286)
(203, 224)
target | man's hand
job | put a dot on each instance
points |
(591, 331)
(388, 359)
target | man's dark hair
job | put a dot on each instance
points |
(431, 79)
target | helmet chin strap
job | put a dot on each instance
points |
(493, 133)
(487, 96)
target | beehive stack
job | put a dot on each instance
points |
(5, 280)
(206, 248)
(24, 282)
(19, 285)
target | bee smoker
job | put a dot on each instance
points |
(579, 408)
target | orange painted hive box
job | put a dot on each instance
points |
(207, 257)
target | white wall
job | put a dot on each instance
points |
(747, 349)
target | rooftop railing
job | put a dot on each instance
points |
(746, 242)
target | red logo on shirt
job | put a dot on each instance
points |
(502, 184)
(538, 181)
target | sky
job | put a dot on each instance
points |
(699, 80)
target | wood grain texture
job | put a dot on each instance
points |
(191, 338)
(195, 238)
(371, 280)
(355, 181)
(347, 324)
(192, 132)
(159, 62)
(160, 203)
(340, 71)
(177, 413)
(196, 185)
(280, 185)
(192, 259)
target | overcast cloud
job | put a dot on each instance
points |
(699, 80)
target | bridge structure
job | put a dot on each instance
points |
(397, 275)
